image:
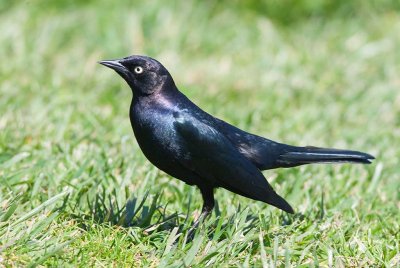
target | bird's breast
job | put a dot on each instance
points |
(155, 134)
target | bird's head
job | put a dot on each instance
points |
(143, 74)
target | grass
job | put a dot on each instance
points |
(75, 190)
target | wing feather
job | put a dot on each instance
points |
(216, 160)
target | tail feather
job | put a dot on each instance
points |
(306, 155)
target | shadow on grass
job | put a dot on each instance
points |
(148, 214)
(144, 213)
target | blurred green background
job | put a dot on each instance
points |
(75, 190)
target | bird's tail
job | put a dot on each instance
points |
(296, 156)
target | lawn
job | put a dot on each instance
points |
(75, 189)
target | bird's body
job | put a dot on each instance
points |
(189, 144)
(155, 122)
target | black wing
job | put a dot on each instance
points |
(215, 159)
(262, 152)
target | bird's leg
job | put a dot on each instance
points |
(208, 205)
(208, 202)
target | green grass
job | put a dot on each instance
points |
(75, 190)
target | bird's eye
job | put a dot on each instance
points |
(138, 70)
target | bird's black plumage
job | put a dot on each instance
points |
(199, 149)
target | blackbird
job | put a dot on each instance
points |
(191, 145)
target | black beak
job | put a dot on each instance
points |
(114, 64)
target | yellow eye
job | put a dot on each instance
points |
(138, 70)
